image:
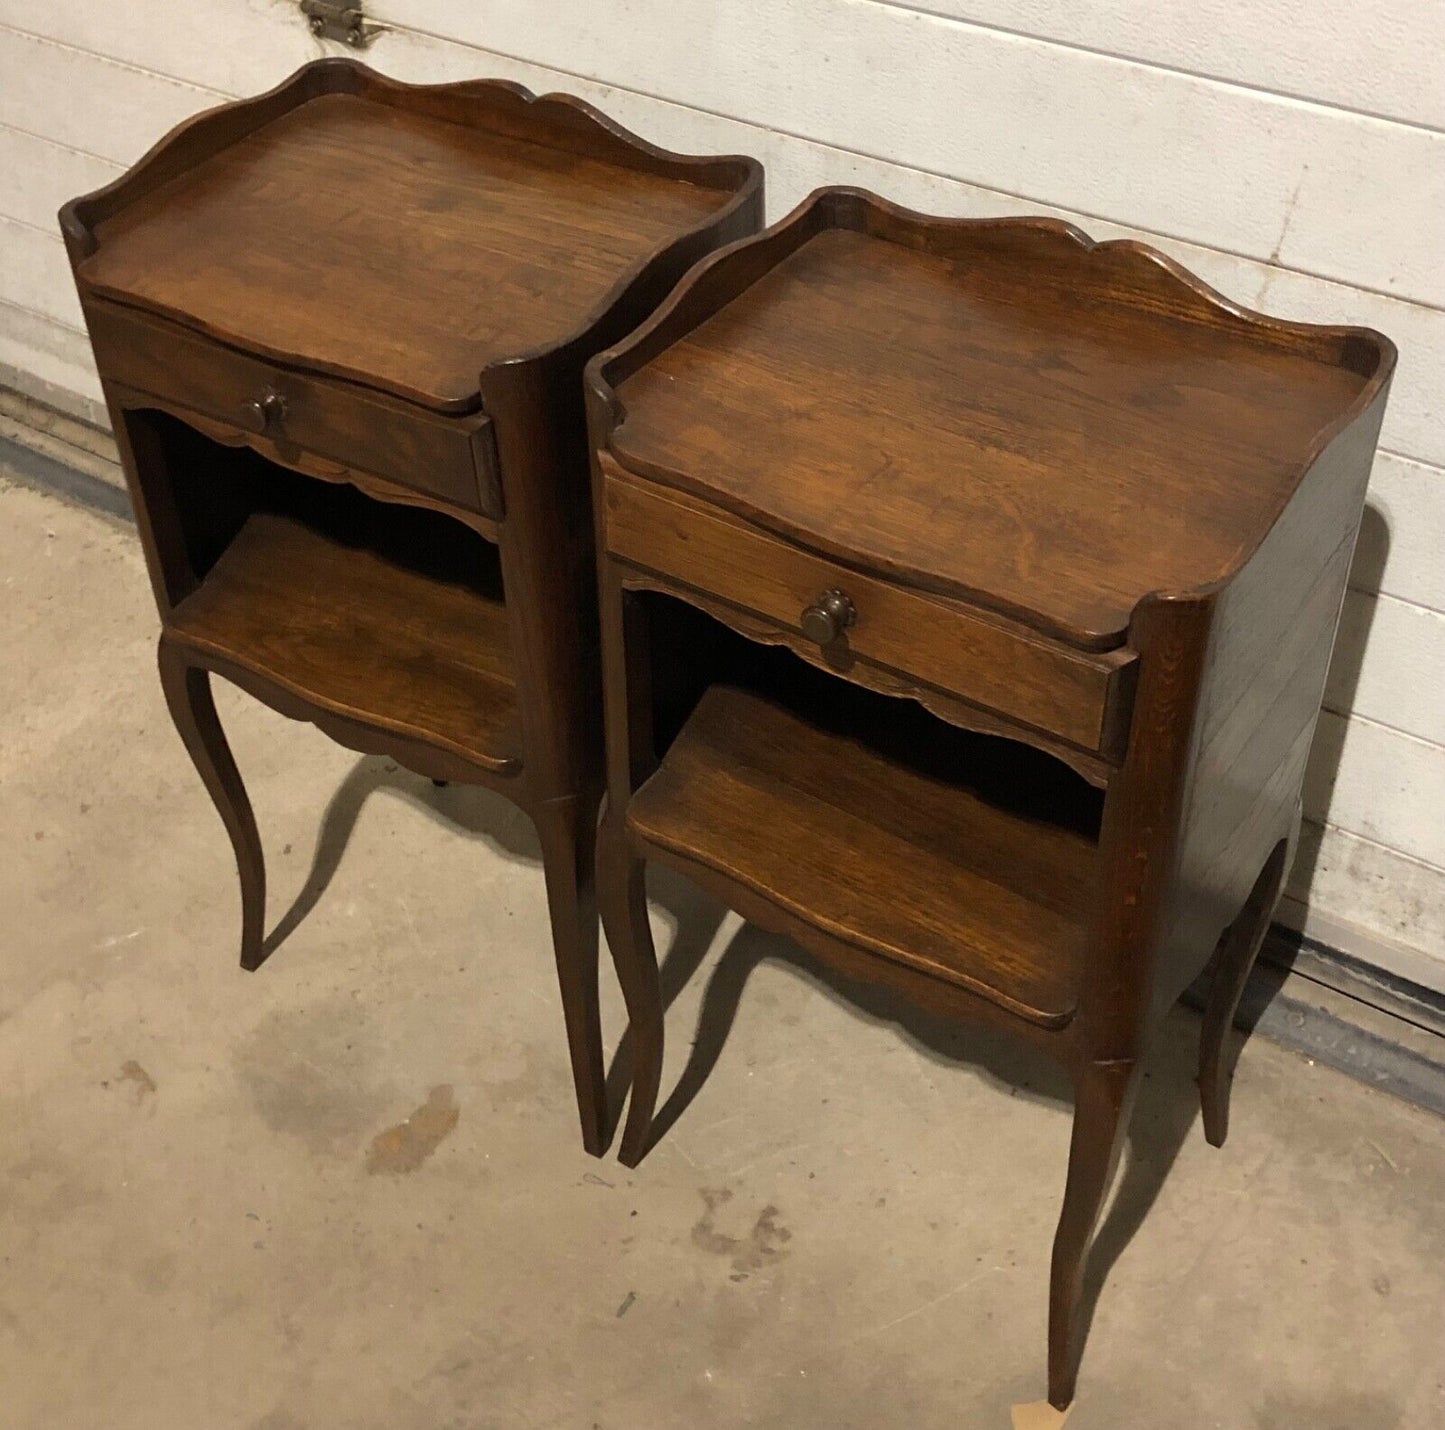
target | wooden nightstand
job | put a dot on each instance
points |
(341, 330)
(1090, 519)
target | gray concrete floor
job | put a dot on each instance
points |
(211, 1214)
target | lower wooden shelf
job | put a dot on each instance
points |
(879, 852)
(360, 636)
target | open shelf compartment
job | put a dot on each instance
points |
(969, 857)
(386, 615)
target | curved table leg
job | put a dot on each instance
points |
(567, 829)
(622, 889)
(1237, 952)
(188, 694)
(1104, 1097)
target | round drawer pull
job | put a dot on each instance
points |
(265, 413)
(828, 617)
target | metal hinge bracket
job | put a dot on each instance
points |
(332, 21)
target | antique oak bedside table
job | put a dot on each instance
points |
(1088, 520)
(341, 329)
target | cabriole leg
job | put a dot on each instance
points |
(567, 830)
(188, 694)
(623, 895)
(1104, 1096)
(1237, 952)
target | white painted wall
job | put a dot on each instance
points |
(1292, 152)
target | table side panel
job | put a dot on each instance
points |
(1270, 643)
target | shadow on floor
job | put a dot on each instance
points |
(1165, 1112)
(479, 813)
(1167, 1105)
(467, 809)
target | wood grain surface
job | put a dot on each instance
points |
(1018, 420)
(395, 248)
(976, 893)
(361, 636)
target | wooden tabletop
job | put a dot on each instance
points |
(409, 252)
(1024, 421)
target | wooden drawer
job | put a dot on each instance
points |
(1080, 697)
(451, 459)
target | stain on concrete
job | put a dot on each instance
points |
(310, 1074)
(473, 1383)
(278, 1420)
(760, 1247)
(132, 1072)
(156, 1272)
(406, 1146)
(704, 1234)
(525, 1072)
(47, 1187)
(1348, 1411)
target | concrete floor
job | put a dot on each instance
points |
(211, 1214)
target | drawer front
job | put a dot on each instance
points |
(451, 459)
(1077, 696)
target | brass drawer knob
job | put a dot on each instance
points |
(828, 617)
(265, 413)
